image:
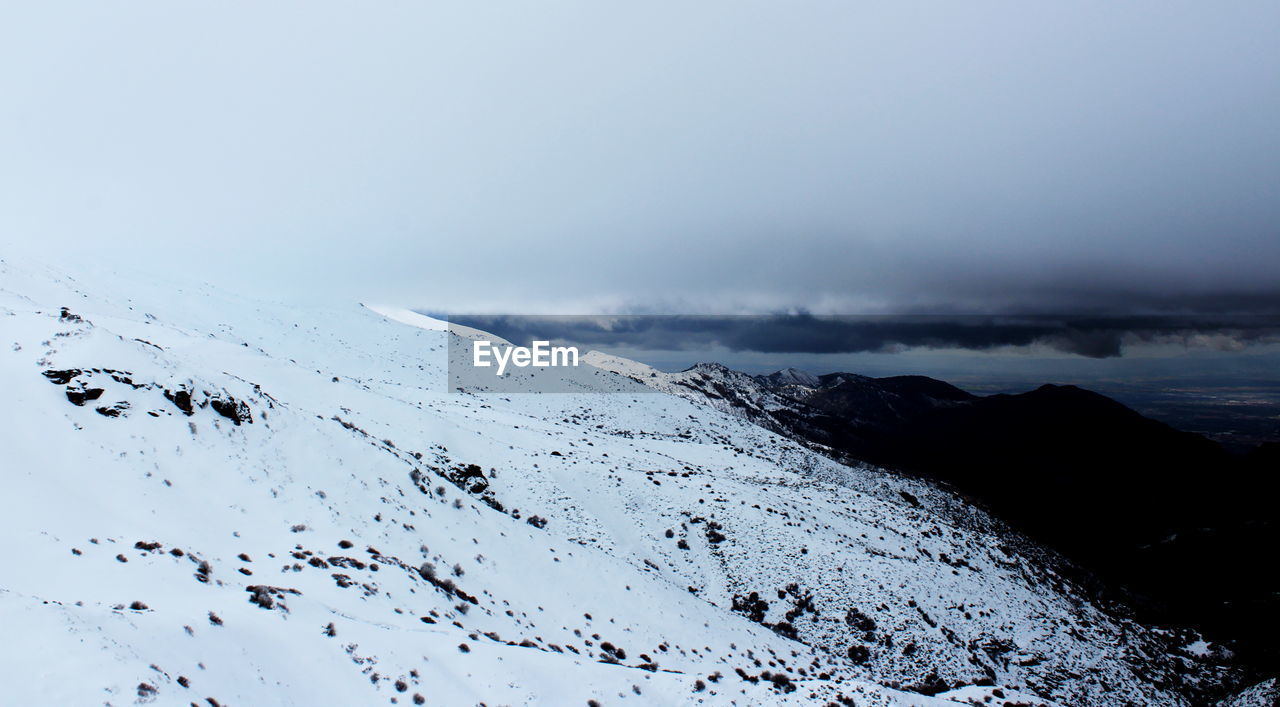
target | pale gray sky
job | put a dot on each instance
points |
(707, 157)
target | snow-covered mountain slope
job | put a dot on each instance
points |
(793, 376)
(219, 501)
(1130, 500)
(710, 384)
(754, 399)
(794, 403)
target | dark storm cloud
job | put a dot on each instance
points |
(1091, 337)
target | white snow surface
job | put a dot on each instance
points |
(320, 485)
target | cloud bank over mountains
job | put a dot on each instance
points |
(571, 157)
(1091, 337)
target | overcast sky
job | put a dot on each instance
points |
(710, 157)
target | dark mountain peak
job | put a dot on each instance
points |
(924, 385)
(831, 380)
(1071, 400)
(1062, 388)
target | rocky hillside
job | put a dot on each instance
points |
(1132, 500)
(220, 501)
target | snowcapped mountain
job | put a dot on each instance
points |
(792, 376)
(214, 500)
